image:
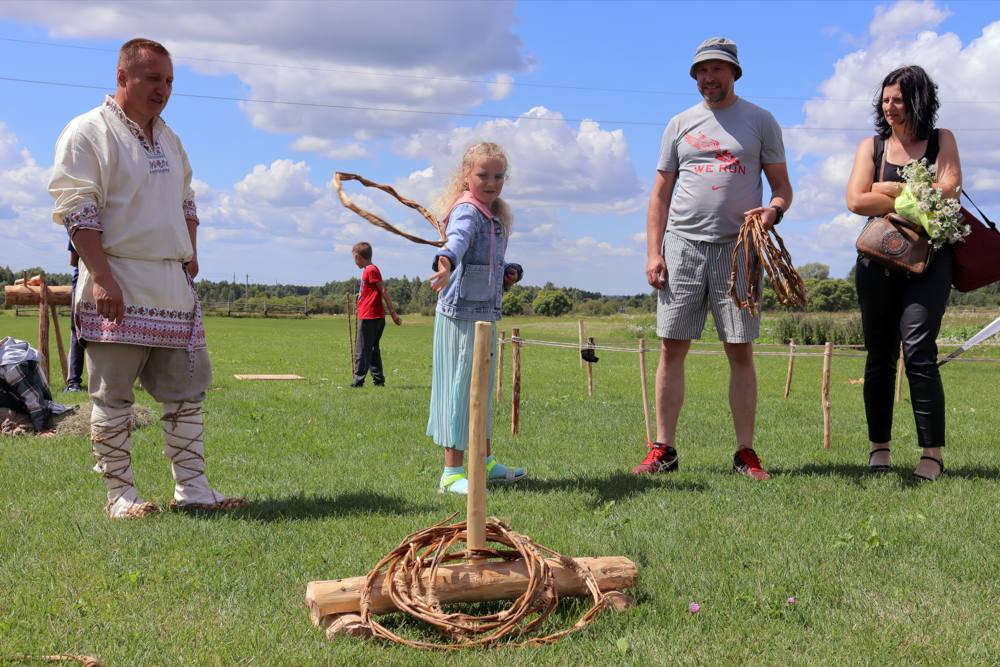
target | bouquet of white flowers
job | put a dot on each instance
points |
(922, 203)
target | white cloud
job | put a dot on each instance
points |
(330, 148)
(28, 234)
(502, 86)
(284, 183)
(416, 56)
(905, 18)
(968, 82)
(552, 163)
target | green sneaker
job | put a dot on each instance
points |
(457, 484)
(498, 472)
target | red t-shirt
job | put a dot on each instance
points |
(369, 301)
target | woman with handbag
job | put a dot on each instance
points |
(897, 305)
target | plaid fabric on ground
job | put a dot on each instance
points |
(25, 383)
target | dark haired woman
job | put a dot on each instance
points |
(894, 306)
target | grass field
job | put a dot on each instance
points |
(883, 570)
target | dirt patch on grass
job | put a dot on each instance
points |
(78, 422)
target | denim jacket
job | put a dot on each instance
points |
(476, 286)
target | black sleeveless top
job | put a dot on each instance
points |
(891, 172)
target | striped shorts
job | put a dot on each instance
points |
(698, 275)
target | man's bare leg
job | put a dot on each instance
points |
(670, 388)
(742, 391)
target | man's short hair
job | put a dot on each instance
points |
(362, 249)
(132, 50)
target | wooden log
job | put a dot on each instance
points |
(43, 332)
(474, 581)
(899, 374)
(791, 365)
(59, 341)
(27, 295)
(498, 376)
(590, 369)
(827, 416)
(642, 383)
(579, 324)
(479, 403)
(515, 385)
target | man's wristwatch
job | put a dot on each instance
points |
(780, 214)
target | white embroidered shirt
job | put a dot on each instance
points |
(108, 177)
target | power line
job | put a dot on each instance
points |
(430, 77)
(435, 112)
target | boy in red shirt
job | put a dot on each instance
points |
(371, 318)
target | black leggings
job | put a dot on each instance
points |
(893, 308)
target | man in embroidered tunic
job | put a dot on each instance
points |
(122, 188)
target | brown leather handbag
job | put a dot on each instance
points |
(892, 242)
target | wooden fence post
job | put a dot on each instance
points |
(350, 329)
(499, 372)
(579, 324)
(59, 341)
(43, 329)
(642, 383)
(827, 416)
(791, 365)
(590, 369)
(515, 385)
(479, 401)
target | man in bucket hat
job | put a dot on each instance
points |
(708, 181)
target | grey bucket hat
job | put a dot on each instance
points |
(717, 48)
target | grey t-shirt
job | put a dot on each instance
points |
(717, 155)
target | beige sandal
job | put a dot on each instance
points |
(221, 506)
(136, 511)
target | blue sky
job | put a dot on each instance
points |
(577, 92)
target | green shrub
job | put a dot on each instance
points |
(819, 329)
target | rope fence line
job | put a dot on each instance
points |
(762, 353)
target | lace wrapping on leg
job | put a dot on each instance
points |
(111, 445)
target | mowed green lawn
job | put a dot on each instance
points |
(882, 570)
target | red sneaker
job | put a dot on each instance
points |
(745, 462)
(659, 458)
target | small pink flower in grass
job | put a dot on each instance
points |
(791, 601)
(694, 607)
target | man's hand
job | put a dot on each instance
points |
(509, 277)
(767, 216)
(440, 279)
(656, 272)
(109, 298)
(192, 267)
(395, 319)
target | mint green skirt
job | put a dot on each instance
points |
(454, 341)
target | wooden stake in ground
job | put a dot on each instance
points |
(642, 383)
(59, 342)
(827, 416)
(899, 374)
(579, 324)
(791, 365)
(350, 330)
(515, 384)
(43, 331)
(590, 369)
(479, 401)
(498, 376)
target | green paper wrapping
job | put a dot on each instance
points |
(908, 206)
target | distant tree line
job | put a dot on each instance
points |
(414, 295)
